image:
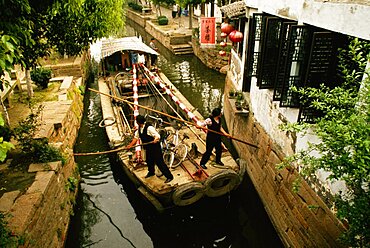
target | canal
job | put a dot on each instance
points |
(111, 213)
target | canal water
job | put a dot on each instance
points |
(111, 213)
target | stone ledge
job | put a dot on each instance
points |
(23, 210)
(7, 200)
(41, 182)
(50, 166)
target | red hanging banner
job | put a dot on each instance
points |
(207, 30)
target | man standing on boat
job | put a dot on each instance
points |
(148, 134)
(153, 57)
(213, 140)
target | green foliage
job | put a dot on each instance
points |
(31, 29)
(38, 150)
(344, 151)
(9, 54)
(196, 33)
(135, 6)
(5, 146)
(41, 77)
(7, 239)
(162, 20)
(43, 152)
(71, 184)
(26, 129)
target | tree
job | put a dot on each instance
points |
(344, 131)
(30, 30)
(66, 26)
(190, 4)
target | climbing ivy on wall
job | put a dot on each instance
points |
(344, 150)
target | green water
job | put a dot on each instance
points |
(111, 213)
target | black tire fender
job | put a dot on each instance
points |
(188, 193)
(221, 183)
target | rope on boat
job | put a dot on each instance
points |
(159, 81)
(150, 75)
(174, 117)
(109, 151)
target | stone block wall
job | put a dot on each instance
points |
(301, 219)
(137, 17)
(41, 215)
(210, 57)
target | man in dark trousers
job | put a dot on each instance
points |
(147, 133)
(213, 140)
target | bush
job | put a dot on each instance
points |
(162, 20)
(38, 150)
(7, 238)
(135, 6)
(41, 77)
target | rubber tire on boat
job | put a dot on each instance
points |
(188, 193)
(110, 118)
(221, 183)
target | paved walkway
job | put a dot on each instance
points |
(181, 24)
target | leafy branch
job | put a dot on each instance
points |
(344, 148)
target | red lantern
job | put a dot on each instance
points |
(223, 44)
(222, 53)
(226, 28)
(223, 35)
(236, 36)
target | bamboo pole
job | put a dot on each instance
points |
(110, 151)
(176, 118)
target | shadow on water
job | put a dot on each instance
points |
(110, 212)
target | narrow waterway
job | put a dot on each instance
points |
(111, 213)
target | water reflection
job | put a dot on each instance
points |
(194, 79)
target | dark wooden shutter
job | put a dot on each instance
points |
(322, 69)
(299, 45)
(283, 58)
(270, 52)
(253, 53)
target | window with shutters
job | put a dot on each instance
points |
(321, 69)
(282, 59)
(270, 52)
(254, 49)
(295, 71)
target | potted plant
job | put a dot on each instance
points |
(231, 93)
(239, 101)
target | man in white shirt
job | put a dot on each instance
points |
(147, 133)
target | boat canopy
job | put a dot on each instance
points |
(106, 47)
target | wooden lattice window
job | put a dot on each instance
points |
(322, 69)
(270, 52)
(255, 42)
(282, 60)
(299, 45)
(253, 49)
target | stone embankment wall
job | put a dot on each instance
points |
(168, 35)
(301, 219)
(210, 57)
(41, 215)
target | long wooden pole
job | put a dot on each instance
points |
(110, 151)
(174, 117)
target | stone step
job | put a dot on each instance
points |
(182, 49)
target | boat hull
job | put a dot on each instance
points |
(190, 182)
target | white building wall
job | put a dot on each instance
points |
(343, 16)
(347, 17)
